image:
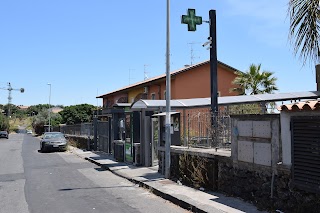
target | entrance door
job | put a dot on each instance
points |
(155, 130)
(103, 136)
(128, 138)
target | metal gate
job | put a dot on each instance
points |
(306, 152)
(103, 136)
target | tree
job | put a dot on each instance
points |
(304, 28)
(77, 114)
(4, 122)
(254, 81)
(42, 119)
(35, 109)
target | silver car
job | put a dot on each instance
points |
(53, 141)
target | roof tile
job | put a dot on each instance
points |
(302, 106)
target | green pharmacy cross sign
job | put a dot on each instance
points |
(191, 20)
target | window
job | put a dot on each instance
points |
(153, 96)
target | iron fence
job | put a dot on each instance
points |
(83, 129)
(199, 131)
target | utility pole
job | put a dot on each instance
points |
(9, 88)
(49, 107)
(168, 97)
(213, 67)
(192, 21)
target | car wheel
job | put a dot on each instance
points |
(42, 148)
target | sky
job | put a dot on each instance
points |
(86, 48)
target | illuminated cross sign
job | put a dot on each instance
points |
(191, 20)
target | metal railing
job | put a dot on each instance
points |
(83, 129)
(200, 132)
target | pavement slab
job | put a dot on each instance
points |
(186, 197)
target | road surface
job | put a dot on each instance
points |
(62, 182)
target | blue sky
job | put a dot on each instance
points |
(88, 48)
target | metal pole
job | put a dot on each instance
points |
(95, 132)
(49, 107)
(9, 100)
(168, 107)
(213, 67)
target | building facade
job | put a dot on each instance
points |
(188, 82)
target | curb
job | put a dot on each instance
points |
(169, 197)
(153, 190)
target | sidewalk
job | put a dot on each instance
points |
(183, 196)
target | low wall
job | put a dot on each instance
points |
(256, 184)
(194, 167)
(266, 188)
(81, 142)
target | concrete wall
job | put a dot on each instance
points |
(253, 171)
(256, 139)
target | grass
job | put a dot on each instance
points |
(15, 123)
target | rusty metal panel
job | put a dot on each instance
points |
(245, 151)
(262, 154)
(245, 128)
(261, 129)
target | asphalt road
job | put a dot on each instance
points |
(62, 182)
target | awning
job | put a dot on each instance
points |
(225, 100)
(164, 114)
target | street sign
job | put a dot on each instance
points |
(191, 20)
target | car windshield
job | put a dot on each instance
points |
(53, 135)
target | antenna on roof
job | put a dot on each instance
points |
(145, 71)
(192, 57)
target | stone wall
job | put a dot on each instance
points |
(193, 170)
(194, 167)
(255, 184)
(81, 142)
(250, 182)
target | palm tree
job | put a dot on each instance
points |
(304, 28)
(254, 81)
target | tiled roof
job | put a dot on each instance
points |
(56, 109)
(23, 107)
(172, 74)
(301, 106)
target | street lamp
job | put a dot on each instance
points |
(168, 97)
(49, 107)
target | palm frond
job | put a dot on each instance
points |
(304, 28)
